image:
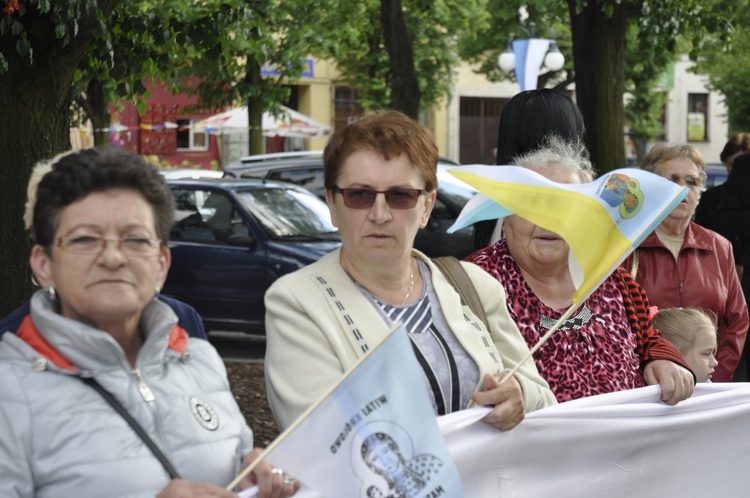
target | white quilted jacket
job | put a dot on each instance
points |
(58, 437)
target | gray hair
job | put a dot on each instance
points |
(40, 169)
(558, 154)
(663, 152)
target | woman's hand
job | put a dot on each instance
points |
(178, 488)
(272, 482)
(677, 383)
(506, 400)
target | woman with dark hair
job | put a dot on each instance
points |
(101, 392)
(188, 318)
(526, 120)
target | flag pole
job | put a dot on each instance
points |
(541, 342)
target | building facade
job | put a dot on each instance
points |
(465, 125)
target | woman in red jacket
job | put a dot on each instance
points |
(682, 264)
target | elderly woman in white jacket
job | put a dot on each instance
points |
(380, 177)
(101, 222)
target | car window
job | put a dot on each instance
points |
(205, 216)
(310, 178)
(441, 211)
(254, 174)
(288, 213)
(716, 175)
(453, 188)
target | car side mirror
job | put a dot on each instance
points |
(242, 241)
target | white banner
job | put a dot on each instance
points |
(626, 444)
(619, 444)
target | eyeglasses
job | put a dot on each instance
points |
(92, 245)
(687, 181)
(364, 198)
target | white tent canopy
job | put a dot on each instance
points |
(289, 124)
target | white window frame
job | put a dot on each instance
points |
(192, 133)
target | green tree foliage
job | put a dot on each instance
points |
(604, 35)
(353, 35)
(600, 58)
(657, 34)
(507, 24)
(238, 39)
(726, 67)
(93, 51)
(647, 61)
(221, 45)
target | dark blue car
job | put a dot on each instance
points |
(233, 238)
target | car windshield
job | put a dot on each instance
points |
(290, 213)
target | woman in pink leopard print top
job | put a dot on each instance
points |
(608, 345)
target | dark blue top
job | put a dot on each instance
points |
(188, 318)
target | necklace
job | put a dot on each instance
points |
(411, 286)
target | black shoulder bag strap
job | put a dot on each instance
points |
(459, 279)
(135, 425)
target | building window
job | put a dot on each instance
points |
(346, 104)
(188, 138)
(697, 118)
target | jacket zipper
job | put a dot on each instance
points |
(148, 396)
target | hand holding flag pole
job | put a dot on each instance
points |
(602, 221)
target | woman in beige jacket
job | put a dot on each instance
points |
(380, 177)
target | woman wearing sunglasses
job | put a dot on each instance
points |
(380, 178)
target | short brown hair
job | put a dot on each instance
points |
(678, 326)
(663, 152)
(388, 133)
(738, 143)
(74, 176)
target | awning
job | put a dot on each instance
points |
(289, 124)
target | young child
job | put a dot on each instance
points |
(693, 334)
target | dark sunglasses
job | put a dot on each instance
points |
(364, 198)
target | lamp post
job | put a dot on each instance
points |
(526, 56)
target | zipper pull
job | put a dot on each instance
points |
(145, 391)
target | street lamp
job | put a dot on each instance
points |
(530, 52)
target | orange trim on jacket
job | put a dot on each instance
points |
(28, 332)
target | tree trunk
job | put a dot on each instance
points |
(254, 108)
(35, 115)
(99, 115)
(405, 93)
(37, 118)
(94, 104)
(599, 59)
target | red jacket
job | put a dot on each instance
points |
(703, 277)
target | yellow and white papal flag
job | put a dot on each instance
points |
(602, 221)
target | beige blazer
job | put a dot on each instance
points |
(318, 323)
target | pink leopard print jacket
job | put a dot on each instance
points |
(602, 348)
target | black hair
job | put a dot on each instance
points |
(79, 174)
(526, 120)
